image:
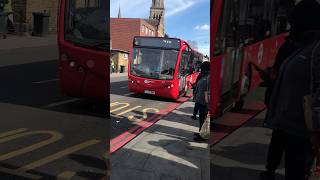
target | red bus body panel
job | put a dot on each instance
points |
(263, 53)
(90, 77)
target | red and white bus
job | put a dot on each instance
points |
(243, 31)
(161, 67)
(83, 38)
(196, 60)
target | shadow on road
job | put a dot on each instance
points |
(36, 85)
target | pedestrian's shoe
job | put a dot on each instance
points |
(267, 175)
(199, 139)
(194, 117)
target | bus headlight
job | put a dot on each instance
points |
(72, 64)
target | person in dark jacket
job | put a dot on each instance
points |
(285, 111)
(196, 106)
(276, 147)
(201, 96)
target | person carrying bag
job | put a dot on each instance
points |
(311, 104)
(202, 99)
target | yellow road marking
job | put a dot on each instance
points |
(66, 175)
(55, 136)
(58, 155)
(9, 133)
(131, 109)
(145, 114)
(119, 108)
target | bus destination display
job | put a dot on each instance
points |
(157, 43)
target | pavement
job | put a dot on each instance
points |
(15, 42)
(164, 151)
(242, 153)
(32, 49)
(116, 75)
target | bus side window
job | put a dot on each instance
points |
(219, 39)
(256, 14)
(183, 67)
(280, 16)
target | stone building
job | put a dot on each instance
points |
(23, 10)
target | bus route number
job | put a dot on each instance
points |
(167, 41)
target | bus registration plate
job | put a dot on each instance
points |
(149, 92)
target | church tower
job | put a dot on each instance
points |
(157, 14)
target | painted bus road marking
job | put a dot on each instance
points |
(58, 155)
(129, 110)
(145, 114)
(55, 136)
(66, 175)
(124, 105)
(9, 133)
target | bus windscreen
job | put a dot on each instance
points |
(158, 43)
(154, 63)
(86, 23)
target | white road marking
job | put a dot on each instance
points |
(61, 103)
(123, 87)
(128, 94)
(45, 81)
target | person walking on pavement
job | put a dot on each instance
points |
(276, 147)
(268, 75)
(285, 111)
(8, 10)
(196, 106)
(202, 96)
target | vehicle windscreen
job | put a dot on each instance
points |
(86, 23)
(154, 63)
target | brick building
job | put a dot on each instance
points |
(23, 10)
(123, 30)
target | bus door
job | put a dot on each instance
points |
(183, 71)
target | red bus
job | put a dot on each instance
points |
(196, 60)
(243, 31)
(161, 67)
(83, 38)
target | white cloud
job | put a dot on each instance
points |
(204, 49)
(140, 8)
(204, 27)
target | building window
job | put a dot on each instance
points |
(142, 28)
(146, 30)
(125, 56)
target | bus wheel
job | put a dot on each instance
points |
(244, 91)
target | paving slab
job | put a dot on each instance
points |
(165, 151)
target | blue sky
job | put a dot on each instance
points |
(185, 19)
